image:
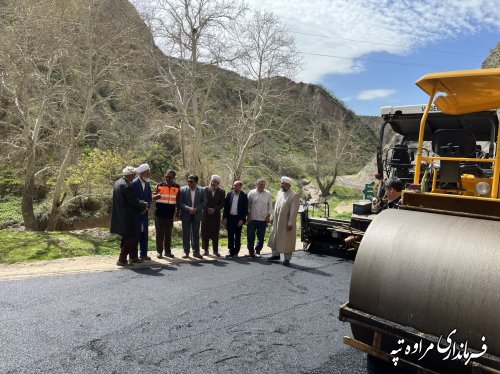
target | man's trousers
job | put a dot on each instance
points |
(191, 235)
(164, 235)
(254, 227)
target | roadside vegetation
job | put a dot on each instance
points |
(85, 91)
(339, 203)
(20, 246)
(24, 246)
(10, 210)
(77, 92)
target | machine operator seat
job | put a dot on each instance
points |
(452, 143)
(400, 163)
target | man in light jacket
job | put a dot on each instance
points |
(260, 207)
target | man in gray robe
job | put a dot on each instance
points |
(282, 238)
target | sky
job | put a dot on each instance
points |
(370, 53)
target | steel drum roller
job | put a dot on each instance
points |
(432, 272)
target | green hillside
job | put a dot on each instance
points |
(89, 92)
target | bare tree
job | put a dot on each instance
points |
(333, 146)
(267, 54)
(193, 34)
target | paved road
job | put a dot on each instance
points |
(225, 316)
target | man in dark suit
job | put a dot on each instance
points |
(210, 225)
(235, 215)
(142, 190)
(192, 203)
(125, 215)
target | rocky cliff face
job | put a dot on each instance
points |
(493, 60)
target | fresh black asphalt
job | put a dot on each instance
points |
(224, 316)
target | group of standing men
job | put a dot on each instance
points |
(201, 206)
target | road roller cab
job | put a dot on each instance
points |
(425, 287)
(319, 232)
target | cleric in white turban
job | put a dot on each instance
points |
(215, 178)
(125, 216)
(143, 192)
(129, 170)
(284, 222)
(142, 168)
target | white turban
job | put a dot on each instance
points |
(142, 168)
(129, 170)
(215, 178)
(286, 180)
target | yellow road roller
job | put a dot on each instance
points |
(425, 286)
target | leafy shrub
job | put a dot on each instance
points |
(97, 170)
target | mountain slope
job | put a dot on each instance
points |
(493, 59)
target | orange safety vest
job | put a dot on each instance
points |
(168, 195)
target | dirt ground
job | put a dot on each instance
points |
(86, 264)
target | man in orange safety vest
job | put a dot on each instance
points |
(165, 195)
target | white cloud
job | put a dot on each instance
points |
(381, 93)
(405, 25)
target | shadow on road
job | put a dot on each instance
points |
(342, 255)
(218, 263)
(308, 270)
(197, 264)
(248, 260)
(156, 272)
(155, 268)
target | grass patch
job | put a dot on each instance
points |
(9, 182)
(23, 246)
(10, 210)
(346, 216)
(342, 196)
(27, 246)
